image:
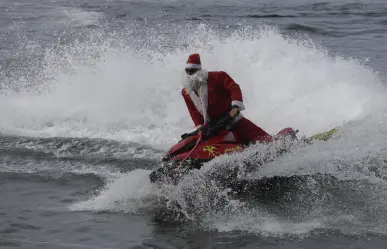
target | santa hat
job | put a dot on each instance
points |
(193, 62)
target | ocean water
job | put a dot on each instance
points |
(90, 101)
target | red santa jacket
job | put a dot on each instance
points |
(215, 98)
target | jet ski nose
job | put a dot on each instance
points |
(287, 132)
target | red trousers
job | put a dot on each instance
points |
(247, 132)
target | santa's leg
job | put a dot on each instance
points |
(246, 131)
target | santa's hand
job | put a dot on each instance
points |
(234, 112)
(199, 127)
(202, 130)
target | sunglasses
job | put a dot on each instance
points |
(191, 71)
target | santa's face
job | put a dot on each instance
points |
(194, 79)
(191, 71)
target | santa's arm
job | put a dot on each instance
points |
(234, 91)
(196, 116)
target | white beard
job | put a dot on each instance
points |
(193, 82)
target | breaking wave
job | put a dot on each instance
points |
(126, 90)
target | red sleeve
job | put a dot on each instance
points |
(196, 116)
(234, 91)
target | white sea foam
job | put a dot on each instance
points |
(129, 95)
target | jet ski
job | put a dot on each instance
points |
(196, 148)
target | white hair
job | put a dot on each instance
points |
(193, 82)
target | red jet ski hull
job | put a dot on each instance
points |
(193, 151)
(205, 149)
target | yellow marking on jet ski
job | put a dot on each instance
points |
(210, 149)
(323, 136)
(232, 149)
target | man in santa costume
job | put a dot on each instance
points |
(209, 95)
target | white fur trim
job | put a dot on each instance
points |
(239, 104)
(195, 98)
(189, 65)
(204, 100)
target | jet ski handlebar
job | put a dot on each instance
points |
(213, 127)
